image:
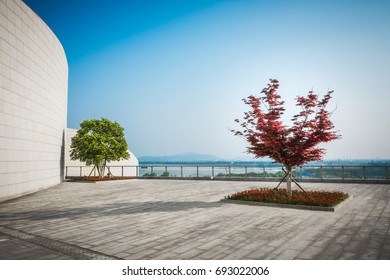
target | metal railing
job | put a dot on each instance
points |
(342, 173)
(81, 171)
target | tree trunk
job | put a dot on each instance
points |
(288, 179)
(101, 168)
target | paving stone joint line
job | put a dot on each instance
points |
(74, 251)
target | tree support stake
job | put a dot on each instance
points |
(288, 173)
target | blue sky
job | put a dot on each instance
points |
(173, 73)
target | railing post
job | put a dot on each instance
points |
(212, 171)
(230, 170)
(364, 173)
(122, 170)
(181, 171)
(81, 170)
(197, 171)
(342, 173)
(151, 171)
(246, 171)
(321, 173)
(300, 168)
(66, 172)
(136, 171)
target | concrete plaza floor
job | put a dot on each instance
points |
(183, 219)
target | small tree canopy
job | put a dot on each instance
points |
(266, 134)
(291, 146)
(98, 142)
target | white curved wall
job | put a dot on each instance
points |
(33, 102)
(73, 166)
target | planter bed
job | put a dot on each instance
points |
(99, 179)
(311, 200)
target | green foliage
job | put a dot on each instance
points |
(165, 174)
(150, 174)
(98, 142)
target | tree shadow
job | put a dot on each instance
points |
(115, 209)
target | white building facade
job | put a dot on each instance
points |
(33, 102)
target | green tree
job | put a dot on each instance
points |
(165, 174)
(98, 142)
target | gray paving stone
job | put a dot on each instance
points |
(310, 253)
(238, 254)
(369, 254)
(162, 219)
(288, 254)
(353, 246)
(348, 256)
(190, 254)
(322, 241)
(166, 256)
(333, 251)
(261, 252)
(211, 244)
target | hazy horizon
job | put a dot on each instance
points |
(173, 73)
(247, 157)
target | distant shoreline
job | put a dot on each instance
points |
(363, 162)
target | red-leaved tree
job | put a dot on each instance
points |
(291, 146)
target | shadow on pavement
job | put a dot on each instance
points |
(129, 208)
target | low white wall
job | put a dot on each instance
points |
(73, 166)
(33, 102)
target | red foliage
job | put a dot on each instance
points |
(313, 198)
(291, 146)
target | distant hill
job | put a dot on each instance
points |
(183, 157)
(192, 157)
